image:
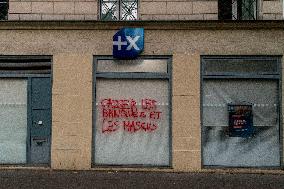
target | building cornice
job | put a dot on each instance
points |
(148, 25)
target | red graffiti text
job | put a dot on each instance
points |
(129, 116)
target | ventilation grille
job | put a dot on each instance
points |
(25, 65)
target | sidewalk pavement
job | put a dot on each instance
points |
(38, 179)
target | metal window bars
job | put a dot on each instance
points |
(119, 9)
(237, 9)
(4, 9)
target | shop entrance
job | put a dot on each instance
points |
(25, 110)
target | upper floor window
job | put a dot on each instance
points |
(237, 9)
(118, 9)
(3, 9)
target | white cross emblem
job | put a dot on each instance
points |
(132, 43)
(119, 43)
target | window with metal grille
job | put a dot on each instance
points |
(237, 9)
(118, 9)
(4, 9)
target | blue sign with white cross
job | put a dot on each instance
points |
(128, 43)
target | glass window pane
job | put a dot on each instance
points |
(132, 122)
(225, 9)
(128, 10)
(13, 116)
(261, 93)
(248, 9)
(109, 10)
(262, 149)
(240, 66)
(138, 65)
(3, 10)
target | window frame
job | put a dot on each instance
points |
(119, 2)
(132, 75)
(236, 75)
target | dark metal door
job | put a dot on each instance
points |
(40, 126)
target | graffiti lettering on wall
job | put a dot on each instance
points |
(129, 116)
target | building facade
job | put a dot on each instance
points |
(205, 93)
(141, 9)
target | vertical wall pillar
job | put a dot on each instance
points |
(71, 111)
(186, 112)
